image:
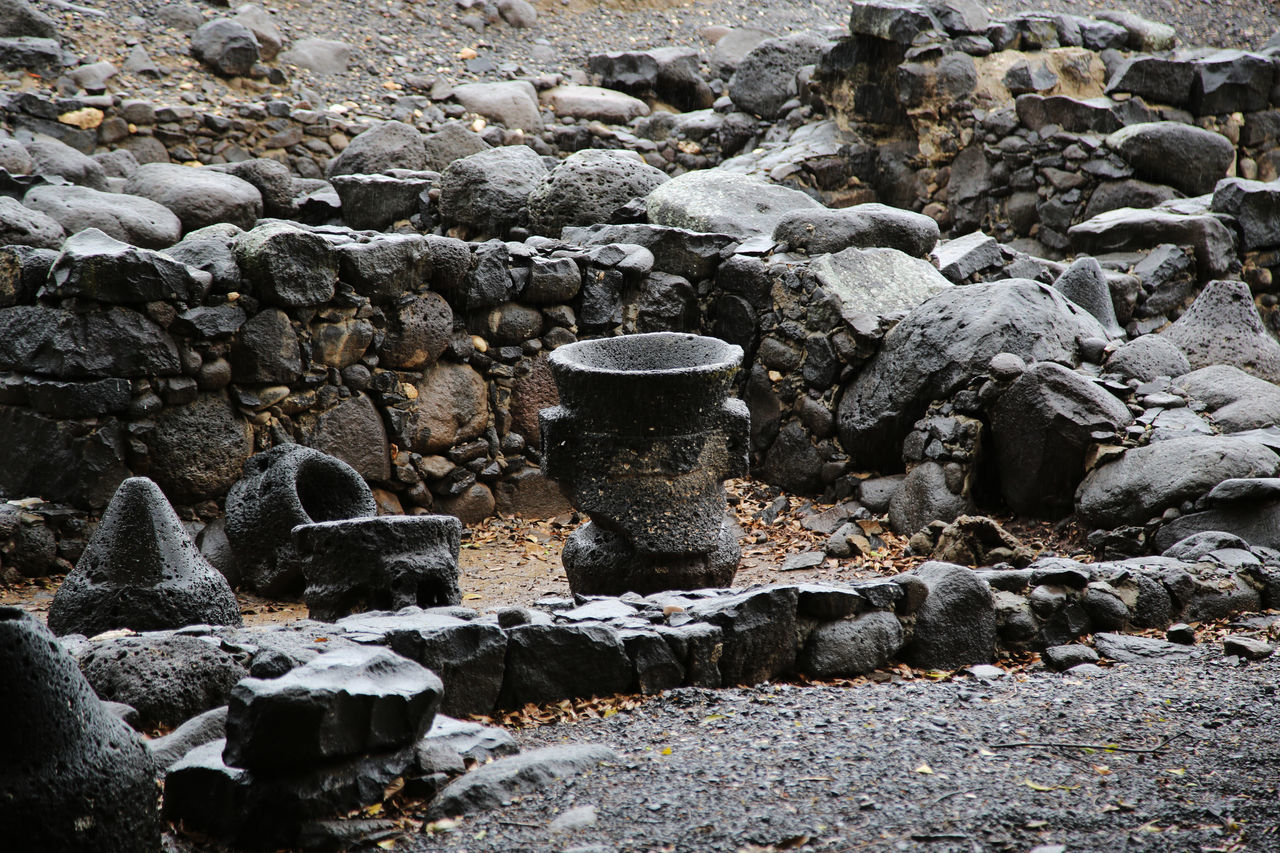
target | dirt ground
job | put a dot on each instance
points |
(512, 561)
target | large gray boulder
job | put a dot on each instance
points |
(376, 202)
(388, 145)
(668, 74)
(1143, 34)
(75, 776)
(1042, 426)
(203, 728)
(18, 20)
(549, 663)
(321, 56)
(765, 79)
(344, 703)
(199, 197)
(259, 20)
(863, 226)
(1223, 327)
(1233, 515)
(167, 677)
(95, 266)
(211, 249)
(468, 655)
(1085, 284)
(944, 343)
(1229, 81)
(514, 103)
(452, 142)
(1184, 156)
(129, 218)
(1128, 229)
(593, 103)
(198, 448)
(1145, 481)
(140, 570)
(587, 188)
(227, 47)
(956, 624)
(274, 181)
(24, 226)
(115, 343)
(496, 784)
(877, 281)
(1146, 357)
(733, 47)
(387, 266)
(51, 156)
(1256, 208)
(490, 191)
(902, 20)
(850, 647)
(717, 202)
(1236, 400)
(929, 492)
(288, 266)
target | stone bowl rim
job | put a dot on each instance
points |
(729, 356)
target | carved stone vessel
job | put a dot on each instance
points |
(282, 488)
(643, 439)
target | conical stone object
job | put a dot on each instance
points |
(141, 571)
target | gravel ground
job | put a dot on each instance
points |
(401, 45)
(913, 765)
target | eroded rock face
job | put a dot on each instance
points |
(75, 777)
(141, 571)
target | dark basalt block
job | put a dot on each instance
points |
(381, 563)
(342, 704)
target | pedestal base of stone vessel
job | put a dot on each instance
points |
(601, 562)
(381, 563)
